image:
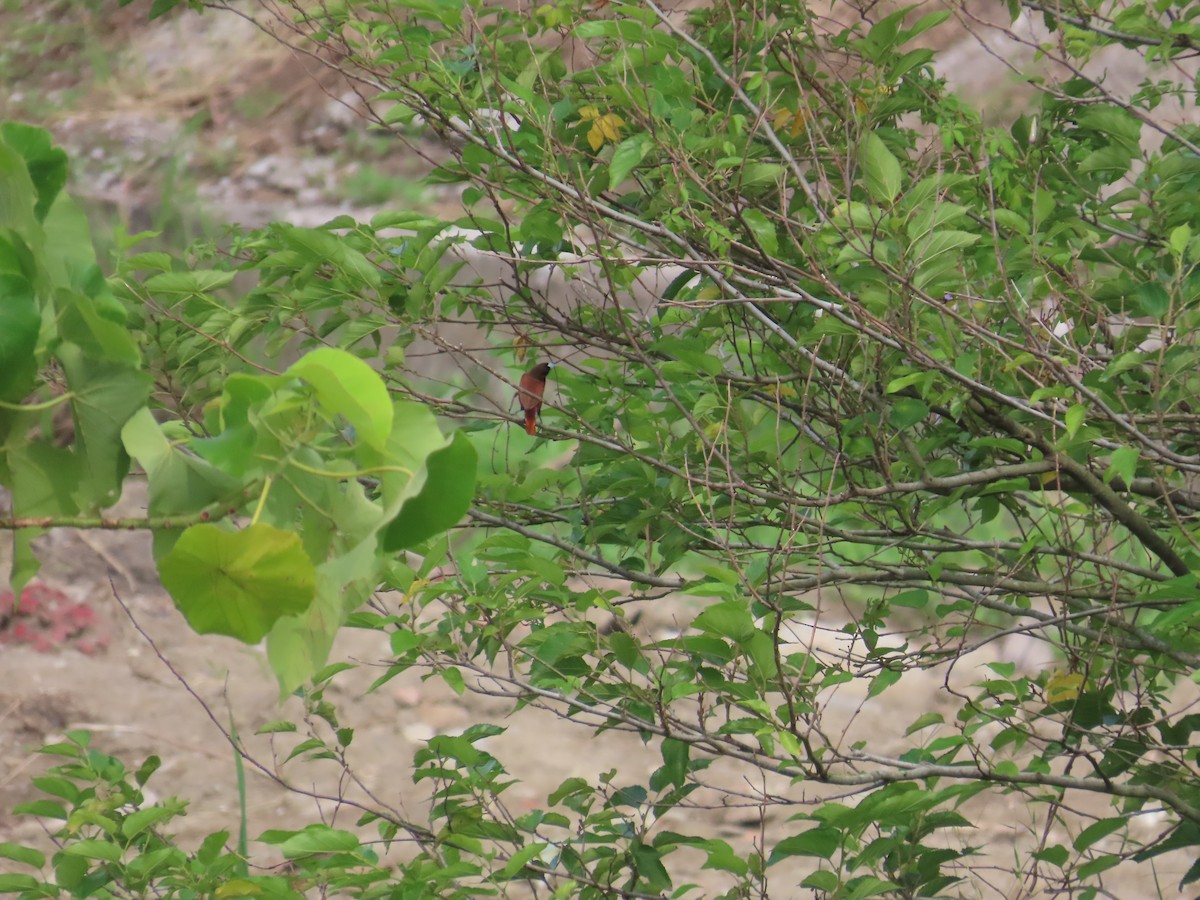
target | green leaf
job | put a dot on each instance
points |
(59, 787)
(1110, 162)
(881, 168)
(1181, 235)
(923, 722)
(627, 156)
(180, 483)
(675, 760)
(913, 599)
(319, 839)
(194, 281)
(884, 680)
(45, 163)
(20, 323)
(138, 821)
(161, 7)
(18, 197)
(88, 314)
(1123, 464)
(151, 765)
(70, 869)
(232, 449)
(17, 884)
(517, 861)
(822, 881)
(627, 651)
(43, 481)
(1192, 875)
(45, 809)
(325, 246)
(908, 411)
(926, 250)
(822, 842)
(348, 387)
(730, 619)
(105, 396)
(925, 23)
(1098, 831)
(1153, 299)
(763, 230)
(298, 646)
(93, 849)
(443, 500)
(1074, 418)
(26, 855)
(722, 857)
(1098, 865)
(649, 866)
(238, 583)
(869, 886)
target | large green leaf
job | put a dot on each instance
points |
(18, 197)
(46, 164)
(232, 448)
(20, 322)
(348, 387)
(104, 396)
(84, 320)
(299, 645)
(238, 583)
(180, 483)
(415, 435)
(629, 153)
(443, 500)
(44, 479)
(70, 261)
(881, 168)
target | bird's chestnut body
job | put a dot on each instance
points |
(532, 386)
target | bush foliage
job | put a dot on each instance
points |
(910, 382)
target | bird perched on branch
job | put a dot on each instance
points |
(532, 387)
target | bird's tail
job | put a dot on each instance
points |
(531, 421)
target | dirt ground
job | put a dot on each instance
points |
(258, 135)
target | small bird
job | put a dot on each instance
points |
(532, 386)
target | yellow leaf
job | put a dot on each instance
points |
(596, 137)
(793, 123)
(605, 128)
(1063, 686)
(238, 888)
(610, 126)
(800, 122)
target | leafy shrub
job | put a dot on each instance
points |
(911, 384)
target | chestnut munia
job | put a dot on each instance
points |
(532, 387)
